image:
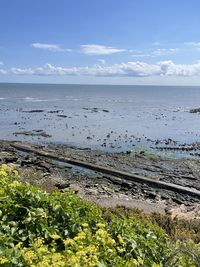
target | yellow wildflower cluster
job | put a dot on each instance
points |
(3, 260)
(80, 236)
(4, 170)
(86, 249)
(121, 240)
(7, 179)
(76, 253)
(7, 172)
(38, 229)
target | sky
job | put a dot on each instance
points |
(100, 41)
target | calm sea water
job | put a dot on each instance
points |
(103, 117)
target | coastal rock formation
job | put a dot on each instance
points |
(106, 189)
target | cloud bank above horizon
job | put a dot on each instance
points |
(103, 68)
(100, 42)
(128, 69)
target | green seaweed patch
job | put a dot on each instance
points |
(33, 133)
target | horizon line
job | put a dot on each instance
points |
(88, 84)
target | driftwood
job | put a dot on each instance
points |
(107, 170)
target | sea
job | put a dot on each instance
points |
(105, 117)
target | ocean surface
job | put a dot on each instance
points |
(112, 118)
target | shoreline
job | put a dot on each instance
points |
(108, 120)
(108, 190)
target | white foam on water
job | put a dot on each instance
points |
(182, 109)
(32, 99)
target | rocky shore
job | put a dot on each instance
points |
(108, 190)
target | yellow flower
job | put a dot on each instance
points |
(110, 241)
(2, 191)
(15, 184)
(55, 237)
(39, 242)
(121, 241)
(120, 250)
(140, 260)
(80, 253)
(3, 260)
(29, 256)
(80, 236)
(42, 250)
(100, 225)
(3, 173)
(5, 168)
(19, 245)
(85, 225)
(73, 261)
(156, 265)
(69, 242)
(101, 233)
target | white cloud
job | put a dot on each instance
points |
(164, 51)
(141, 55)
(50, 47)
(46, 70)
(168, 68)
(102, 61)
(135, 69)
(2, 71)
(136, 51)
(19, 71)
(197, 44)
(156, 44)
(49, 69)
(155, 53)
(193, 45)
(94, 49)
(128, 69)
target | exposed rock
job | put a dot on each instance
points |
(62, 186)
(33, 111)
(55, 111)
(96, 186)
(33, 133)
(195, 110)
(62, 116)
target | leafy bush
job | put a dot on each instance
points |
(53, 229)
(178, 229)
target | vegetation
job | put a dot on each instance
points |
(53, 229)
(178, 229)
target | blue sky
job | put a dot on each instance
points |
(105, 41)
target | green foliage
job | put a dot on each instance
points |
(178, 229)
(53, 229)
